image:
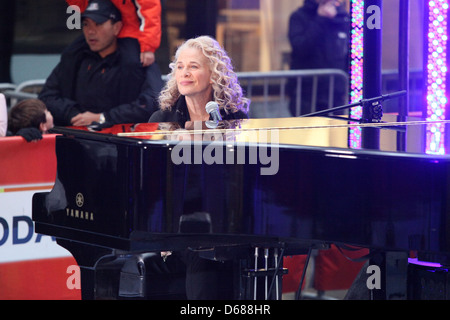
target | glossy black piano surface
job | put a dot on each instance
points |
(130, 187)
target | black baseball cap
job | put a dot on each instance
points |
(101, 11)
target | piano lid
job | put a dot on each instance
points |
(314, 186)
(415, 135)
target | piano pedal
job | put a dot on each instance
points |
(132, 282)
(140, 276)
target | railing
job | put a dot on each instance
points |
(6, 87)
(271, 86)
(25, 90)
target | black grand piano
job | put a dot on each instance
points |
(229, 189)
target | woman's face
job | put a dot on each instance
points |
(193, 73)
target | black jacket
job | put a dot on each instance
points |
(318, 43)
(179, 113)
(82, 81)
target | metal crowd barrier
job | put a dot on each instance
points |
(271, 86)
(7, 86)
(25, 90)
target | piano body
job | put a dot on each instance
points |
(285, 184)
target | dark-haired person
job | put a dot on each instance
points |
(141, 20)
(319, 37)
(94, 81)
(30, 119)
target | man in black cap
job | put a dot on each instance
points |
(96, 81)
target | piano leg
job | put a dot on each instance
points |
(383, 277)
(393, 266)
(87, 283)
(86, 257)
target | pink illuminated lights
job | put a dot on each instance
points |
(356, 68)
(436, 74)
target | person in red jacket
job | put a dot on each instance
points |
(141, 20)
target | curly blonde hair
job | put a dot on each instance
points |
(227, 91)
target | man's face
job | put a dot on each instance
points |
(101, 38)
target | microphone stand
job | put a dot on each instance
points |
(373, 105)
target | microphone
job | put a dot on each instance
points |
(213, 109)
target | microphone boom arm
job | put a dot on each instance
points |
(373, 104)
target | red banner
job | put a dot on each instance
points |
(32, 266)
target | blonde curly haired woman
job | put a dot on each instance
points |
(201, 72)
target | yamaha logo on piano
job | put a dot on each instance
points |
(79, 199)
(77, 213)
